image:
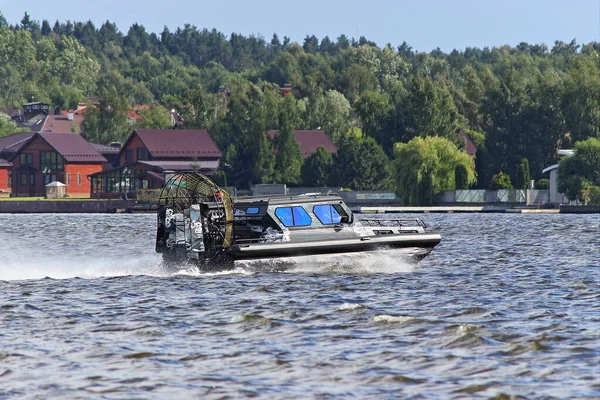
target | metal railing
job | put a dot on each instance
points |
(393, 222)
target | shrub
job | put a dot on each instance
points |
(501, 181)
(542, 184)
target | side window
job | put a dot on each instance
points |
(301, 217)
(252, 210)
(293, 216)
(285, 216)
(327, 214)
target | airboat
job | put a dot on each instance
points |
(200, 223)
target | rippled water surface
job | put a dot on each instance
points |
(506, 306)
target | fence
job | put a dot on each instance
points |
(509, 196)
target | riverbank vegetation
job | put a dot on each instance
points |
(379, 103)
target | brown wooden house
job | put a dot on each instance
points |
(48, 157)
(9, 145)
(150, 154)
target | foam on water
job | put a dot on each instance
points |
(81, 267)
(383, 262)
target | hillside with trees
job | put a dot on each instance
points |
(381, 104)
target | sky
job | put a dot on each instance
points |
(423, 24)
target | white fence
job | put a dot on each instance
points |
(510, 196)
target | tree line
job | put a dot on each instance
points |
(393, 112)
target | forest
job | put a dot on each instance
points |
(394, 113)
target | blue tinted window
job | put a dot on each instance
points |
(252, 210)
(285, 216)
(293, 216)
(327, 214)
(301, 217)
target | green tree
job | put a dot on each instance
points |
(430, 110)
(317, 168)
(107, 123)
(156, 117)
(581, 99)
(523, 175)
(461, 177)
(361, 163)
(426, 166)
(334, 115)
(374, 109)
(288, 162)
(501, 181)
(580, 171)
(75, 67)
(8, 126)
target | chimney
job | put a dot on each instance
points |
(70, 115)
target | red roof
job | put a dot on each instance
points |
(310, 141)
(133, 114)
(178, 142)
(470, 147)
(12, 143)
(72, 147)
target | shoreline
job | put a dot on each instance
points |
(86, 206)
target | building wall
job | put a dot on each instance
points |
(4, 180)
(82, 188)
(134, 144)
(37, 189)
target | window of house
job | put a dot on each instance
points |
(79, 179)
(51, 160)
(142, 154)
(32, 179)
(293, 216)
(67, 179)
(23, 179)
(128, 155)
(327, 214)
(26, 158)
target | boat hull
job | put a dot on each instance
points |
(426, 242)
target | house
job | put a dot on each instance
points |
(9, 145)
(53, 156)
(150, 154)
(5, 173)
(111, 153)
(309, 141)
(32, 116)
(71, 122)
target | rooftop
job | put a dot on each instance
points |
(72, 147)
(309, 141)
(178, 142)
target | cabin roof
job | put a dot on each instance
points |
(289, 200)
(178, 142)
(13, 143)
(72, 147)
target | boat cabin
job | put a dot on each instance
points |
(304, 217)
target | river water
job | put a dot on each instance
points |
(507, 306)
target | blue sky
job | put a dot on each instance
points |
(424, 24)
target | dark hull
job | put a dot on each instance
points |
(425, 241)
